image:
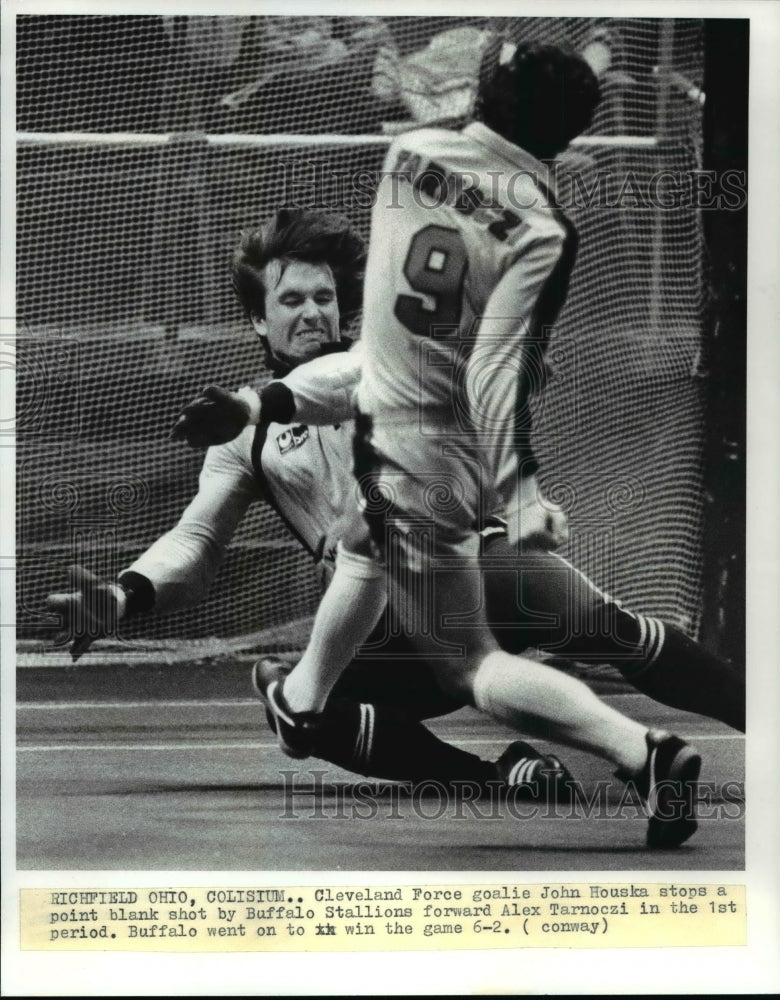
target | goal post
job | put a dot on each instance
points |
(725, 333)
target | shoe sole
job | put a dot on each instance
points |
(290, 750)
(664, 834)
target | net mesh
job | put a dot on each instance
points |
(135, 176)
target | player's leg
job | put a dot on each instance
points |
(371, 726)
(539, 599)
(528, 696)
(436, 596)
(347, 614)
(539, 700)
(682, 674)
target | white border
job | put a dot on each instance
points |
(755, 968)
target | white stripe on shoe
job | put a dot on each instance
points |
(364, 742)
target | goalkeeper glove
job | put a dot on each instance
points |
(216, 416)
(89, 611)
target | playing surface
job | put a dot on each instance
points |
(169, 769)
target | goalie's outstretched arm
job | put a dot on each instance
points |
(318, 392)
(175, 572)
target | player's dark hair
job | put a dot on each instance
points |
(539, 99)
(307, 236)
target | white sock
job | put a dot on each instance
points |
(546, 703)
(348, 612)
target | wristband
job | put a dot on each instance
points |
(278, 402)
(138, 592)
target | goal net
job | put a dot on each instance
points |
(145, 145)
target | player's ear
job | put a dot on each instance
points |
(260, 325)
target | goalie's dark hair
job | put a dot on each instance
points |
(539, 97)
(312, 237)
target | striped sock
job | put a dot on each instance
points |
(677, 671)
(382, 743)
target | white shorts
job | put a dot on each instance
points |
(424, 492)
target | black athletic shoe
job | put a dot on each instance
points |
(295, 731)
(667, 784)
(531, 775)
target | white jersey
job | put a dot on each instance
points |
(469, 262)
(455, 211)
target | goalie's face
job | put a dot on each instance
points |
(301, 310)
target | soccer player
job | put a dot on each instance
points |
(460, 288)
(533, 596)
(300, 279)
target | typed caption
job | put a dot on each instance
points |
(398, 918)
